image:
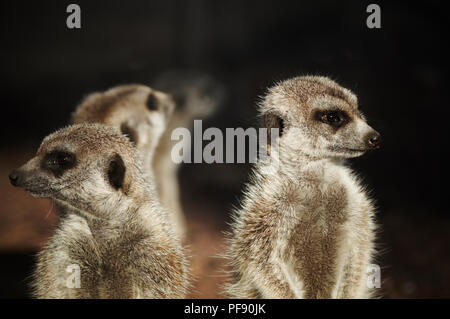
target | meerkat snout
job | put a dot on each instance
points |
(373, 140)
(14, 178)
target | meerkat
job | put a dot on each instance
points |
(140, 112)
(115, 231)
(306, 227)
(197, 96)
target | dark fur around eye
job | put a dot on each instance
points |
(152, 102)
(116, 172)
(58, 162)
(335, 118)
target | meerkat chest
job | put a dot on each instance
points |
(321, 206)
(329, 194)
(325, 222)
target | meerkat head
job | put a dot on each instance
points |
(317, 117)
(138, 111)
(197, 95)
(91, 167)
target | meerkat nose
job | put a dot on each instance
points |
(373, 140)
(14, 178)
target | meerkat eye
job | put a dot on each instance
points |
(152, 103)
(330, 118)
(58, 162)
(334, 118)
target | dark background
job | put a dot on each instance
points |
(398, 73)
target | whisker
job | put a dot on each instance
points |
(50, 210)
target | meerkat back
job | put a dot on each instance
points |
(305, 228)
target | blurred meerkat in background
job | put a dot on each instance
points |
(114, 228)
(305, 228)
(141, 113)
(197, 96)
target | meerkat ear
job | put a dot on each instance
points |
(116, 172)
(270, 121)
